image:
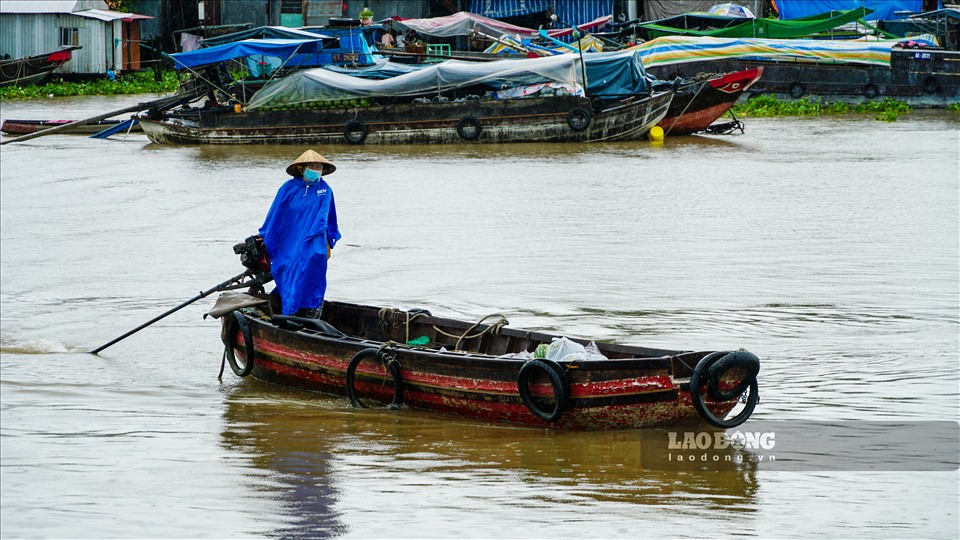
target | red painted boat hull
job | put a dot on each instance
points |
(619, 393)
(698, 105)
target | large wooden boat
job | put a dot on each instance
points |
(550, 119)
(700, 101)
(505, 101)
(837, 70)
(486, 370)
(920, 77)
(33, 69)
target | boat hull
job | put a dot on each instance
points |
(24, 127)
(920, 77)
(33, 69)
(698, 105)
(500, 121)
(623, 393)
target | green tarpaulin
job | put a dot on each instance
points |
(766, 28)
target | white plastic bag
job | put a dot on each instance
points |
(565, 350)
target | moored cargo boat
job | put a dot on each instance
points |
(506, 101)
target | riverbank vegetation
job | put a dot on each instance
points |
(887, 109)
(142, 82)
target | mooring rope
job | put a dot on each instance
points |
(694, 98)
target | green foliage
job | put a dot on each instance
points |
(955, 107)
(766, 105)
(125, 6)
(129, 83)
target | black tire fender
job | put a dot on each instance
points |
(355, 131)
(871, 91)
(699, 372)
(558, 380)
(237, 321)
(392, 366)
(469, 128)
(931, 85)
(579, 118)
(736, 359)
(797, 90)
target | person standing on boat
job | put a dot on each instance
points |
(299, 233)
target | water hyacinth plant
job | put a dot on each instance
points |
(142, 82)
(766, 105)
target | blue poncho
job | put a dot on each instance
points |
(300, 225)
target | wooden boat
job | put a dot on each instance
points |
(846, 71)
(23, 127)
(480, 370)
(33, 69)
(505, 101)
(700, 101)
(552, 119)
(921, 78)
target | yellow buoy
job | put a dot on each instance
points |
(656, 134)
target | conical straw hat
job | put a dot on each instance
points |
(306, 158)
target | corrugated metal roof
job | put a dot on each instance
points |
(107, 15)
(51, 6)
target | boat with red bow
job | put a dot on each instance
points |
(485, 370)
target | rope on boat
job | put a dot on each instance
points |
(223, 362)
(397, 318)
(694, 98)
(493, 329)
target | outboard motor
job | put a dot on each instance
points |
(253, 255)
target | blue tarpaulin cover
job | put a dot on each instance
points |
(574, 12)
(283, 48)
(882, 9)
(300, 225)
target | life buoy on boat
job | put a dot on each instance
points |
(871, 91)
(702, 371)
(469, 128)
(237, 321)
(558, 381)
(392, 366)
(579, 118)
(797, 90)
(355, 131)
(931, 85)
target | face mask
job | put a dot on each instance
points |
(311, 175)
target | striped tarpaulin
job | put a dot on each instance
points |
(573, 12)
(680, 49)
(587, 42)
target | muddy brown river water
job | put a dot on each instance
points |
(829, 246)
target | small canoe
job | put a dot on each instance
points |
(486, 370)
(23, 127)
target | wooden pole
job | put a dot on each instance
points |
(235, 282)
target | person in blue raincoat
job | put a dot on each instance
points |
(299, 233)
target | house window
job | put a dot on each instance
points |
(69, 36)
(291, 7)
